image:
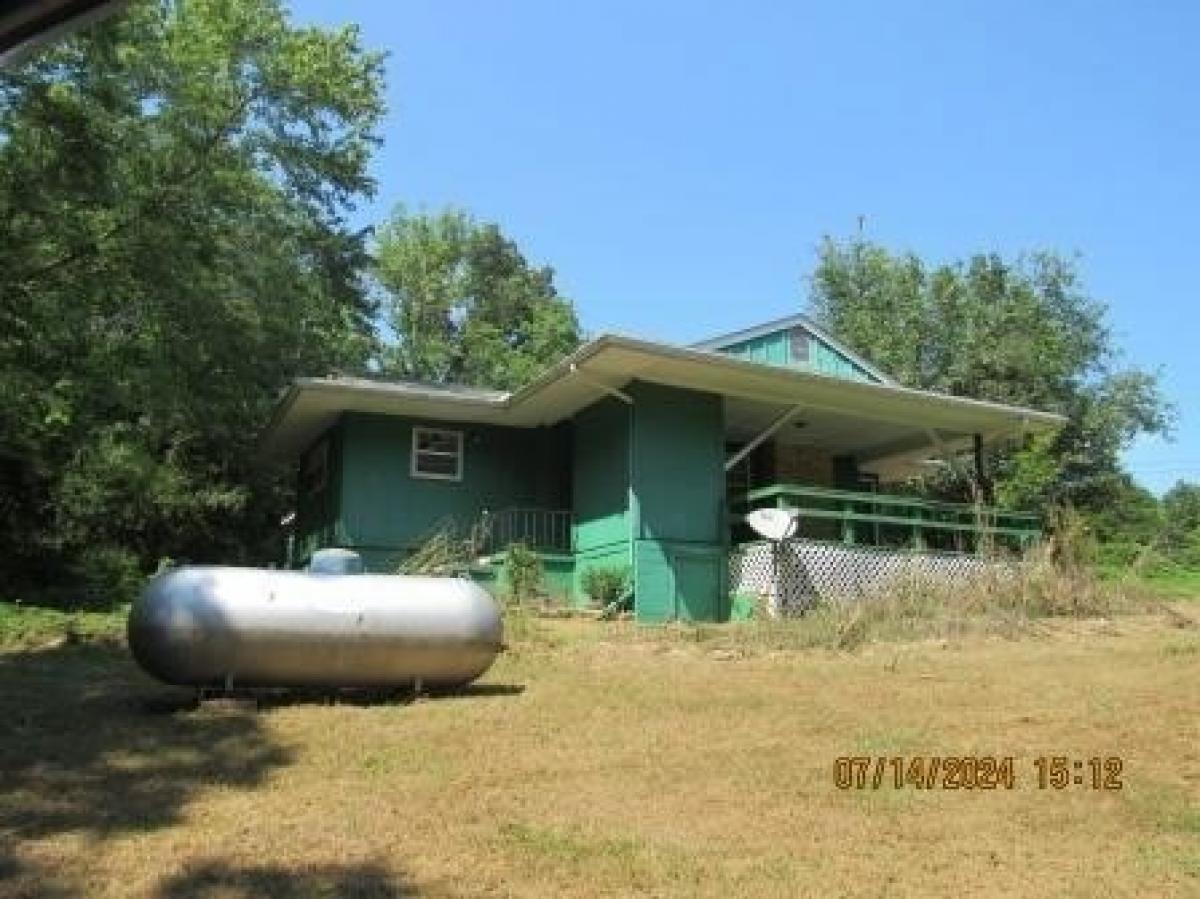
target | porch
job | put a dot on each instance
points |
(848, 517)
(872, 518)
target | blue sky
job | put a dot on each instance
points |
(677, 163)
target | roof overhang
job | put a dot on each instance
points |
(311, 405)
(885, 424)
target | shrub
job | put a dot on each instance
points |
(1052, 580)
(523, 569)
(605, 584)
(26, 627)
(108, 576)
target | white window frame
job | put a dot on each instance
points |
(415, 454)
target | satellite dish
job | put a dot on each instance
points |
(774, 524)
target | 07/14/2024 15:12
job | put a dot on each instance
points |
(968, 772)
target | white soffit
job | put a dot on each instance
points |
(612, 362)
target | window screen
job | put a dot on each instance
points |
(799, 340)
(437, 454)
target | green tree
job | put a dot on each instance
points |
(1129, 526)
(173, 187)
(1181, 511)
(1022, 332)
(464, 306)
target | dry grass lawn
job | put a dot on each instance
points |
(596, 759)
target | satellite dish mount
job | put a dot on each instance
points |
(776, 525)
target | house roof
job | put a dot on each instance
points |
(722, 341)
(888, 426)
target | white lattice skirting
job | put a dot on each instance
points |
(795, 574)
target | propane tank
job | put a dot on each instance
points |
(249, 627)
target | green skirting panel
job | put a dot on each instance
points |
(558, 576)
(558, 572)
(677, 580)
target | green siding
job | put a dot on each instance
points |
(679, 490)
(558, 580)
(769, 349)
(699, 575)
(679, 463)
(600, 475)
(775, 348)
(673, 438)
(559, 574)
(654, 588)
(680, 581)
(679, 485)
(827, 361)
(317, 511)
(386, 512)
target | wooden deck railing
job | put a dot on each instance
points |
(547, 530)
(861, 516)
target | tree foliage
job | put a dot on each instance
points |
(1181, 511)
(174, 185)
(464, 306)
(1022, 332)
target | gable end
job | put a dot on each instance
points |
(796, 342)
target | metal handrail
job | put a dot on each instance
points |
(854, 509)
(547, 530)
(889, 500)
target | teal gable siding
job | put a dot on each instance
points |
(385, 511)
(775, 348)
(825, 360)
(769, 349)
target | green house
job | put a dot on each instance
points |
(642, 456)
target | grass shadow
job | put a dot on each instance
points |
(281, 698)
(215, 878)
(89, 745)
(483, 690)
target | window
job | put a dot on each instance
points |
(799, 340)
(437, 454)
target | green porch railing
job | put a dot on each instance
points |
(547, 530)
(859, 517)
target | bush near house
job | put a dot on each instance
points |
(605, 584)
(524, 572)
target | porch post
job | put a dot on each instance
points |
(981, 475)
